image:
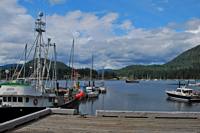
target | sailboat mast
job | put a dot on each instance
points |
(25, 52)
(72, 61)
(91, 79)
(55, 66)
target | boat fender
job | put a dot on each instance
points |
(35, 101)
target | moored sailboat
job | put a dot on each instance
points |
(91, 90)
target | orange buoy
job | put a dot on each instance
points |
(80, 94)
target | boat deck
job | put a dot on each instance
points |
(92, 124)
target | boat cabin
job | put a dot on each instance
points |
(20, 93)
(185, 90)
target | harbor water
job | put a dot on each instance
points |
(144, 96)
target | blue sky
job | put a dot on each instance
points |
(118, 32)
(143, 13)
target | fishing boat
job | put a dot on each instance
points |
(39, 89)
(184, 94)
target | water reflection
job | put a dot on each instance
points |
(180, 105)
(87, 105)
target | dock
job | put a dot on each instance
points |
(113, 122)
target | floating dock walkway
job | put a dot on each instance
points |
(62, 121)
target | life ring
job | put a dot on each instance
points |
(35, 101)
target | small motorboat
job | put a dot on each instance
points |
(102, 89)
(184, 94)
(93, 94)
(131, 81)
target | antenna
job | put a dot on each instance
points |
(45, 20)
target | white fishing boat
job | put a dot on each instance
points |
(39, 89)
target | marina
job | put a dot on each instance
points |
(67, 66)
(129, 108)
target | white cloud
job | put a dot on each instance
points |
(15, 27)
(126, 25)
(195, 31)
(96, 34)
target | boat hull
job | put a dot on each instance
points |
(9, 113)
(73, 104)
(132, 81)
(183, 98)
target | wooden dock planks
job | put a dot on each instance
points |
(91, 124)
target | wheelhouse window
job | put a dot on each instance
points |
(14, 99)
(5, 99)
(178, 90)
(27, 99)
(9, 99)
(186, 91)
(50, 99)
(20, 99)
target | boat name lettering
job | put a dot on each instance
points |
(10, 93)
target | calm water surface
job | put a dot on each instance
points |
(145, 96)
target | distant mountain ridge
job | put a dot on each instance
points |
(63, 70)
(8, 66)
(187, 59)
(186, 65)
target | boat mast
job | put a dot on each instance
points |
(91, 79)
(72, 59)
(40, 28)
(102, 76)
(71, 62)
(25, 52)
(55, 66)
